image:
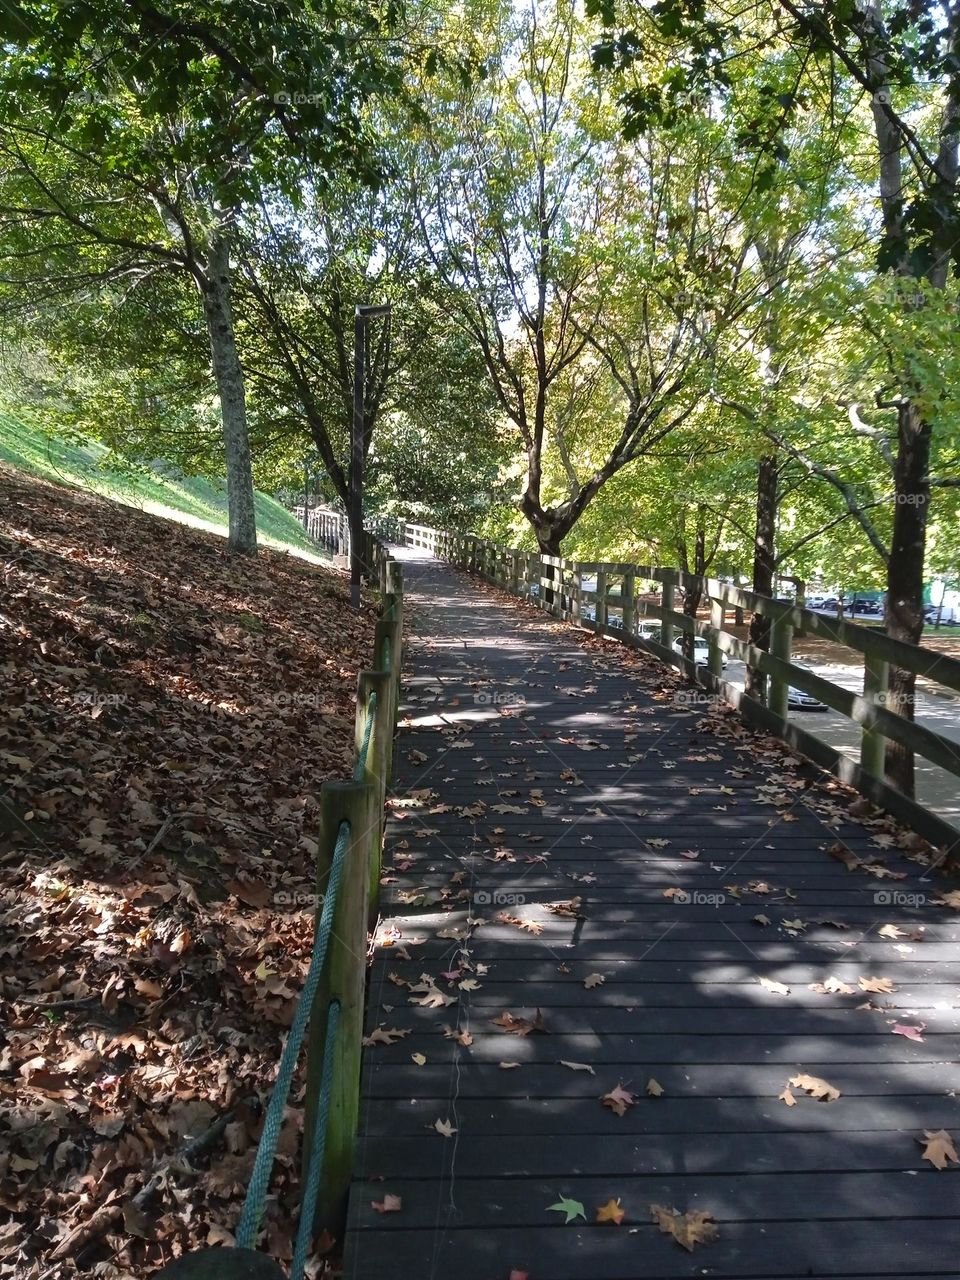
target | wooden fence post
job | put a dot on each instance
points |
(778, 689)
(627, 600)
(601, 607)
(343, 982)
(389, 631)
(715, 653)
(376, 770)
(873, 745)
(667, 601)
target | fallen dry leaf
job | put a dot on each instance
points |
(445, 1128)
(688, 1229)
(778, 988)
(385, 1035)
(832, 986)
(816, 1087)
(612, 1211)
(879, 986)
(909, 1032)
(520, 1026)
(654, 1088)
(618, 1100)
(938, 1148)
(389, 1204)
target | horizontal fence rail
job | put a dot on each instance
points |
(329, 1015)
(625, 599)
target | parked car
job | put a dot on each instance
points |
(947, 615)
(800, 700)
(701, 651)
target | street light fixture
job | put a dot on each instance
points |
(361, 316)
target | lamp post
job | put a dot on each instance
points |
(361, 316)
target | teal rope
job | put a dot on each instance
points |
(253, 1206)
(360, 768)
(318, 1147)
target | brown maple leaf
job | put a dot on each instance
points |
(520, 1026)
(816, 1087)
(688, 1229)
(938, 1148)
(618, 1100)
(385, 1035)
(879, 986)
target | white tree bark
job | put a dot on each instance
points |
(233, 409)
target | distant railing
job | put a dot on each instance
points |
(329, 527)
(331, 1008)
(556, 584)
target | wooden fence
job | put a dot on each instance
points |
(330, 528)
(620, 608)
(331, 1009)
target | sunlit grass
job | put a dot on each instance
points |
(191, 500)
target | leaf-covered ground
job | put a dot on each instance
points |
(168, 717)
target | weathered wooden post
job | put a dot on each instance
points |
(375, 769)
(342, 983)
(781, 643)
(627, 601)
(601, 608)
(576, 586)
(667, 600)
(715, 653)
(873, 745)
(515, 572)
(387, 639)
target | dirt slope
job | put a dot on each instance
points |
(167, 715)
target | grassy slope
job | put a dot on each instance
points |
(189, 500)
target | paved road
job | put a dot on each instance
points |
(936, 788)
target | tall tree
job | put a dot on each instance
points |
(568, 254)
(904, 60)
(138, 133)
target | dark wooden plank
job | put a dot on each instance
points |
(622, 1053)
(722, 1079)
(616, 1154)
(785, 1250)
(625, 1021)
(519, 1202)
(536, 1114)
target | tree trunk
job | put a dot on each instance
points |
(904, 609)
(549, 545)
(764, 564)
(693, 595)
(233, 409)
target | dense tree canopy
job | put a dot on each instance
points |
(677, 281)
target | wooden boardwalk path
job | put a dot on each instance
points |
(574, 845)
